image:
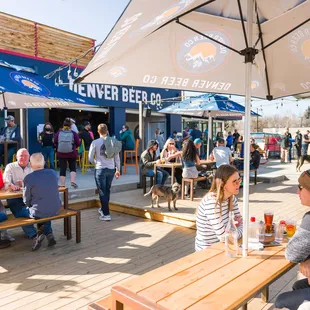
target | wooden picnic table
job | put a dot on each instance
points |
(204, 280)
(172, 166)
(5, 150)
(6, 194)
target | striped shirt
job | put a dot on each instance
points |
(210, 224)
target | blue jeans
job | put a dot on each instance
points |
(104, 178)
(19, 209)
(3, 217)
(11, 151)
(48, 153)
(292, 300)
(304, 149)
(45, 228)
(162, 175)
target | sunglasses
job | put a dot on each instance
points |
(172, 143)
(237, 181)
(300, 187)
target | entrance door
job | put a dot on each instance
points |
(152, 126)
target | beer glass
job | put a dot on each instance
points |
(290, 228)
(268, 217)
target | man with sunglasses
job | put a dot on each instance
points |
(298, 251)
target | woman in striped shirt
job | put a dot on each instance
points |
(213, 212)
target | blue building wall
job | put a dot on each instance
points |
(117, 98)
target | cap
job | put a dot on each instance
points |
(151, 143)
(304, 179)
(298, 131)
(197, 141)
(86, 123)
(72, 120)
(10, 118)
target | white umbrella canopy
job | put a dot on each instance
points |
(242, 47)
(154, 44)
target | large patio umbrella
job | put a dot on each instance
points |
(208, 106)
(22, 90)
(203, 45)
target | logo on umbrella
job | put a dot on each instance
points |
(254, 85)
(299, 44)
(29, 84)
(117, 72)
(280, 86)
(199, 55)
(168, 13)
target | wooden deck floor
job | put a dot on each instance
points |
(70, 275)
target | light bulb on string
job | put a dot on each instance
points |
(60, 81)
(56, 83)
(69, 73)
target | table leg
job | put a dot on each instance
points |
(5, 154)
(155, 174)
(265, 294)
(172, 174)
(66, 205)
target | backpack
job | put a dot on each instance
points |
(65, 141)
(112, 147)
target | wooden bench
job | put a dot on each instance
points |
(66, 214)
(191, 185)
(255, 174)
(200, 281)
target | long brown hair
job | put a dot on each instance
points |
(222, 174)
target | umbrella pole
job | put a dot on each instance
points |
(247, 123)
(209, 135)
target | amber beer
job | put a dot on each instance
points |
(290, 228)
(268, 216)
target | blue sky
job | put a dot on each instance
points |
(95, 18)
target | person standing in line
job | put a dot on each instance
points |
(41, 196)
(306, 143)
(11, 133)
(196, 133)
(73, 126)
(46, 138)
(67, 141)
(86, 135)
(298, 143)
(160, 139)
(127, 140)
(285, 144)
(229, 140)
(290, 145)
(105, 170)
(236, 136)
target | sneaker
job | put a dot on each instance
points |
(4, 244)
(38, 241)
(105, 218)
(100, 212)
(6, 236)
(51, 239)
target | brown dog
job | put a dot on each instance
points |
(301, 160)
(169, 193)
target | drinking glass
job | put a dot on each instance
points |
(290, 228)
(268, 216)
(279, 231)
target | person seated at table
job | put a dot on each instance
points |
(10, 133)
(212, 214)
(298, 251)
(254, 160)
(41, 196)
(13, 176)
(170, 154)
(148, 159)
(46, 139)
(221, 154)
(190, 159)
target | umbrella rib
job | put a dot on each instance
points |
(243, 26)
(285, 34)
(269, 97)
(208, 37)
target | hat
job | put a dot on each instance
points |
(304, 180)
(86, 123)
(298, 131)
(151, 143)
(197, 141)
(72, 120)
(10, 118)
